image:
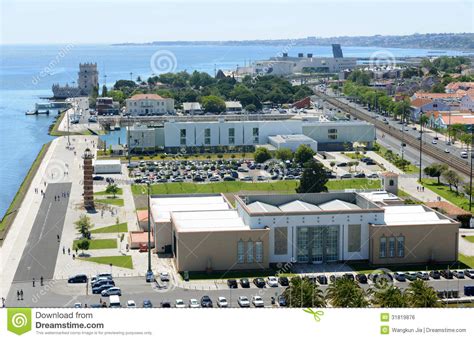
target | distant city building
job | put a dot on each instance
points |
(87, 80)
(233, 107)
(106, 106)
(292, 142)
(192, 108)
(149, 105)
(467, 101)
(337, 51)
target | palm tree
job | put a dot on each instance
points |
(303, 293)
(346, 293)
(420, 294)
(385, 295)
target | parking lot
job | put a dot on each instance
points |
(212, 171)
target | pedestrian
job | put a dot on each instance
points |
(58, 237)
(44, 183)
(3, 302)
(41, 280)
(64, 250)
(18, 295)
(33, 282)
(69, 251)
(73, 256)
(417, 188)
(21, 294)
(100, 301)
(423, 189)
(76, 250)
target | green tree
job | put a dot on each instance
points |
(420, 294)
(250, 108)
(388, 296)
(303, 154)
(213, 104)
(437, 88)
(104, 91)
(284, 154)
(346, 293)
(112, 189)
(435, 170)
(261, 155)
(83, 245)
(452, 178)
(313, 179)
(83, 225)
(303, 293)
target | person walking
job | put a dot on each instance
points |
(18, 295)
(21, 294)
(33, 282)
(64, 250)
(69, 251)
(41, 280)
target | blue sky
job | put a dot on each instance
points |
(111, 21)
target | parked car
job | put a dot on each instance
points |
(131, 304)
(147, 304)
(179, 303)
(111, 291)
(80, 278)
(231, 283)
(282, 301)
(283, 280)
(373, 176)
(164, 276)
(435, 274)
(165, 304)
(98, 178)
(100, 289)
(272, 281)
(99, 283)
(469, 273)
(322, 279)
(423, 276)
(257, 301)
(348, 276)
(346, 176)
(193, 303)
(410, 276)
(359, 175)
(149, 276)
(400, 277)
(459, 274)
(361, 278)
(244, 283)
(259, 282)
(222, 302)
(206, 302)
(447, 274)
(243, 301)
(101, 276)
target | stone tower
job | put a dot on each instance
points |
(88, 78)
(390, 182)
(88, 182)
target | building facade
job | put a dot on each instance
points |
(149, 105)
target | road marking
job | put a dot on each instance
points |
(44, 222)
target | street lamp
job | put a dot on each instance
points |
(421, 141)
(149, 230)
(470, 174)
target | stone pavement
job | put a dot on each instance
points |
(409, 184)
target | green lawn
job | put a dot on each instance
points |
(225, 187)
(396, 160)
(116, 261)
(20, 194)
(468, 261)
(116, 228)
(102, 193)
(469, 238)
(443, 190)
(99, 244)
(111, 201)
(353, 155)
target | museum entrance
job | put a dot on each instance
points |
(317, 244)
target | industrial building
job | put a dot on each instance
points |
(107, 166)
(324, 135)
(205, 232)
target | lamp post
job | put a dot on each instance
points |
(470, 174)
(421, 142)
(149, 229)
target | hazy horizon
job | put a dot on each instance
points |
(144, 21)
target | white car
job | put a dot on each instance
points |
(179, 303)
(77, 305)
(446, 150)
(222, 302)
(272, 281)
(243, 301)
(434, 141)
(193, 303)
(131, 304)
(164, 276)
(257, 301)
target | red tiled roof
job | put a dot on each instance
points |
(432, 95)
(447, 208)
(419, 102)
(151, 96)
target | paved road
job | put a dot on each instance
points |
(58, 293)
(41, 251)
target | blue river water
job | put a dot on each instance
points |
(27, 73)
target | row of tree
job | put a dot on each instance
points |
(377, 100)
(347, 293)
(451, 177)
